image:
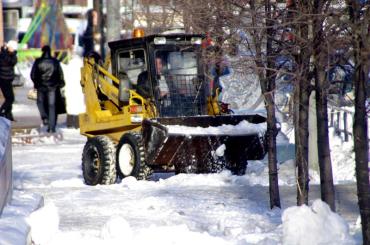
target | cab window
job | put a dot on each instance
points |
(132, 63)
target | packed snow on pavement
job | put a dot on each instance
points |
(51, 200)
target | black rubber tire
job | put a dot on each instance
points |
(98, 161)
(237, 169)
(134, 165)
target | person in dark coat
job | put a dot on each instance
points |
(47, 76)
(8, 59)
(89, 35)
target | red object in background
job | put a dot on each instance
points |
(224, 107)
(289, 3)
(207, 41)
(288, 36)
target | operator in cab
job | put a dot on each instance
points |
(143, 83)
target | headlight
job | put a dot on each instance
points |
(159, 40)
(196, 40)
(137, 118)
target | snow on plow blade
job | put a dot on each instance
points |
(201, 141)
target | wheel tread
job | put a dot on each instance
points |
(107, 161)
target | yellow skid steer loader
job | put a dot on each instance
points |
(149, 108)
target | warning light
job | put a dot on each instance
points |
(138, 32)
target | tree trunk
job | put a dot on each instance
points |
(268, 91)
(326, 174)
(113, 20)
(360, 127)
(301, 130)
(302, 146)
(361, 147)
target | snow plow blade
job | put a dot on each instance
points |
(198, 144)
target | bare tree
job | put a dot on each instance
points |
(359, 16)
(156, 15)
(321, 85)
(297, 15)
(268, 89)
(222, 20)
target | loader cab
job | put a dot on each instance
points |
(166, 69)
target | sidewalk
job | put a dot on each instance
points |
(25, 111)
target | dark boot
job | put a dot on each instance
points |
(45, 121)
(51, 130)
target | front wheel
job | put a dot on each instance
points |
(130, 157)
(98, 161)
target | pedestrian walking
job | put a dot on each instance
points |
(47, 77)
(8, 59)
(89, 36)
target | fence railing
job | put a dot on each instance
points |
(341, 119)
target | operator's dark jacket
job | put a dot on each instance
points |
(7, 63)
(47, 72)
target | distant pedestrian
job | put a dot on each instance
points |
(8, 59)
(47, 76)
(90, 36)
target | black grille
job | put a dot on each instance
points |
(182, 95)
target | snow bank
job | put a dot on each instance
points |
(13, 226)
(314, 225)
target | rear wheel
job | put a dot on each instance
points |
(98, 161)
(131, 157)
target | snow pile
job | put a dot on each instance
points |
(314, 225)
(13, 226)
(44, 224)
(258, 173)
(242, 128)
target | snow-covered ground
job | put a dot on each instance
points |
(170, 209)
(179, 209)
